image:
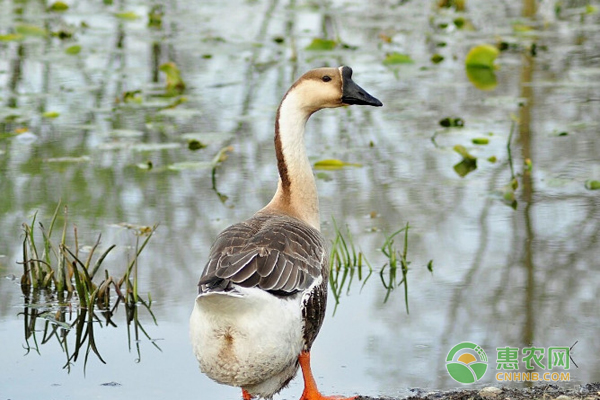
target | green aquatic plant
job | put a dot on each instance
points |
(348, 263)
(55, 271)
(389, 272)
(345, 262)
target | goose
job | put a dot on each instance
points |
(263, 292)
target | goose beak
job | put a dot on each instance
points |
(354, 94)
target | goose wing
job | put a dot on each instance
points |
(276, 253)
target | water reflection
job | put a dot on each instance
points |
(501, 277)
(72, 327)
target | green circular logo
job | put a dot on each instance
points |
(466, 362)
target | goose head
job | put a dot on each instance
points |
(330, 88)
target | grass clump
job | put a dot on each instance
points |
(57, 279)
(346, 263)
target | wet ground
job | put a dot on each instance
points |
(547, 392)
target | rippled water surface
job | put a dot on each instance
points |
(502, 276)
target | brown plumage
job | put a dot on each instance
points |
(263, 292)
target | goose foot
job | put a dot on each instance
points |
(246, 395)
(310, 387)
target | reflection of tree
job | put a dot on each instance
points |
(403, 178)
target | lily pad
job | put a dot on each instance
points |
(73, 50)
(397, 58)
(58, 6)
(592, 185)
(321, 45)
(333, 164)
(482, 56)
(482, 78)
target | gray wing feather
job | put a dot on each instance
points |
(276, 253)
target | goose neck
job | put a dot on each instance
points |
(296, 191)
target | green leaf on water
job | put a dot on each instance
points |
(480, 141)
(592, 185)
(127, 15)
(463, 152)
(482, 56)
(397, 58)
(195, 144)
(175, 84)
(73, 50)
(437, 58)
(333, 164)
(31, 30)
(10, 37)
(50, 114)
(492, 159)
(321, 45)
(468, 163)
(482, 78)
(58, 6)
(430, 266)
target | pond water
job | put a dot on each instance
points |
(502, 275)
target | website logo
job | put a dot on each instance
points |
(466, 362)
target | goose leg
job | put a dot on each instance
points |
(246, 395)
(310, 387)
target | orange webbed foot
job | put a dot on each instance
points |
(310, 387)
(246, 395)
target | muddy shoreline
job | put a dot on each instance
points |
(590, 391)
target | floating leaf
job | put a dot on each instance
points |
(321, 45)
(195, 144)
(127, 15)
(73, 50)
(458, 5)
(58, 6)
(468, 163)
(175, 84)
(397, 58)
(449, 122)
(333, 164)
(437, 58)
(482, 56)
(480, 141)
(482, 78)
(459, 22)
(50, 114)
(590, 9)
(10, 37)
(592, 185)
(492, 159)
(31, 30)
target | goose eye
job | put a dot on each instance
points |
(326, 78)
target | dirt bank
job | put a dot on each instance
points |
(591, 391)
